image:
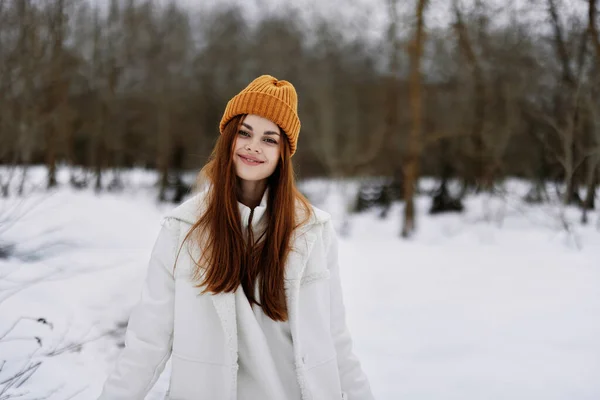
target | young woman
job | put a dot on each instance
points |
(243, 287)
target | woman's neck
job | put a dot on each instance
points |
(250, 193)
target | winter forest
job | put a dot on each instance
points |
(456, 144)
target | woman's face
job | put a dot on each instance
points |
(257, 148)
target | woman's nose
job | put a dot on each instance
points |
(253, 146)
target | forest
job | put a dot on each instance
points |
(492, 91)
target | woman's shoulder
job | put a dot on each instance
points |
(190, 210)
(319, 216)
(316, 222)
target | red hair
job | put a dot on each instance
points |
(227, 260)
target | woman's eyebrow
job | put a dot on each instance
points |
(266, 132)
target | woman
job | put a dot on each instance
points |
(243, 287)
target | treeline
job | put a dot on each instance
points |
(142, 84)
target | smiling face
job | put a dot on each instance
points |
(257, 148)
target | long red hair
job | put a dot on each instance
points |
(227, 260)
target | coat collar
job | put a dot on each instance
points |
(302, 238)
(190, 210)
(257, 213)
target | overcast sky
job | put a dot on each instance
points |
(369, 19)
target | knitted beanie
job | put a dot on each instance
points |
(269, 98)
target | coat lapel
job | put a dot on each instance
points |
(302, 243)
(295, 267)
(224, 303)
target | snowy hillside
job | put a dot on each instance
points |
(497, 303)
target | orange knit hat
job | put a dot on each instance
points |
(269, 98)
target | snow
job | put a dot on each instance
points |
(497, 303)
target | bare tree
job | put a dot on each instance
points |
(411, 164)
(567, 102)
(592, 104)
(99, 118)
(479, 100)
(55, 108)
(21, 54)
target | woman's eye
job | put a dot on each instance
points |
(244, 133)
(271, 141)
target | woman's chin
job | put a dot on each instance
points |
(244, 175)
(250, 174)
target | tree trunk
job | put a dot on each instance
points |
(567, 111)
(593, 29)
(51, 156)
(481, 180)
(391, 112)
(163, 151)
(58, 91)
(178, 157)
(594, 163)
(116, 134)
(97, 144)
(411, 165)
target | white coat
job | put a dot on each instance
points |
(199, 332)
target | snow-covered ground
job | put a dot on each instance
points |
(497, 303)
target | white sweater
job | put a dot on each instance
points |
(266, 355)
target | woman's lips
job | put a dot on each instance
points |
(247, 161)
